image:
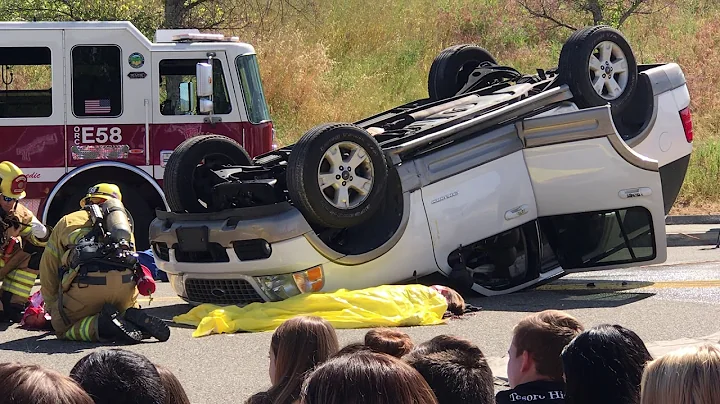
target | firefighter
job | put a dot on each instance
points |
(91, 295)
(23, 241)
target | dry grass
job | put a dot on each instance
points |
(359, 59)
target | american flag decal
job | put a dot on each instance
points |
(97, 106)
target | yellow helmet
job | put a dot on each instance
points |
(104, 191)
(13, 180)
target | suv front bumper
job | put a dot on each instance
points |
(237, 256)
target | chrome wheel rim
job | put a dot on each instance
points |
(345, 175)
(608, 68)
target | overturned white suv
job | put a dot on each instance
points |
(499, 180)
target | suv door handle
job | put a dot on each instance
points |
(516, 212)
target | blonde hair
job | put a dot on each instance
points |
(688, 375)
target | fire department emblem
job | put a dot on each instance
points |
(18, 184)
(136, 60)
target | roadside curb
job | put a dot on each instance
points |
(693, 219)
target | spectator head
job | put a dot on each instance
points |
(455, 369)
(687, 375)
(366, 377)
(389, 341)
(175, 393)
(33, 384)
(456, 303)
(604, 365)
(298, 345)
(352, 348)
(115, 376)
(538, 341)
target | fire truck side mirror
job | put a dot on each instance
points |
(204, 80)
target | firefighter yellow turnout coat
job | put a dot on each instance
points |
(21, 256)
(74, 302)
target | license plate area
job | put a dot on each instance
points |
(193, 239)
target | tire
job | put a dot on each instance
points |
(182, 180)
(451, 69)
(310, 156)
(576, 72)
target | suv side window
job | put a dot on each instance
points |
(585, 239)
(25, 82)
(96, 80)
(174, 101)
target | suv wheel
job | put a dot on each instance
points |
(599, 66)
(336, 175)
(186, 183)
(451, 69)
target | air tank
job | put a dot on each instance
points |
(117, 222)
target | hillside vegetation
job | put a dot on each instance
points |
(355, 58)
(342, 60)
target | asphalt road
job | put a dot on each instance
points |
(680, 299)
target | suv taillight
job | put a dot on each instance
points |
(686, 118)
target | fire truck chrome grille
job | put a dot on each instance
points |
(221, 291)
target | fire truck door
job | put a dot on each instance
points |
(176, 110)
(32, 120)
(109, 97)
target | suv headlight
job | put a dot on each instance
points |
(281, 287)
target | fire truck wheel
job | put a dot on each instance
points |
(190, 164)
(336, 175)
(135, 203)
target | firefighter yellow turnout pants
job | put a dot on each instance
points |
(83, 301)
(16, 277)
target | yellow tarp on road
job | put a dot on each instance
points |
(382, 306)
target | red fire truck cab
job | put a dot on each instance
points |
(89, 102)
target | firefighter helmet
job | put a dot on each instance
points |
(13, 180)
(103, 191)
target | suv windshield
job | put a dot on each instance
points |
(252, 90)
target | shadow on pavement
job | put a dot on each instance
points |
(47, 343)
(166, 313)
(544, 300)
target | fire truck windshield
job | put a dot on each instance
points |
(252, 90)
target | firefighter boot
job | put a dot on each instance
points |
(112, 326)
(148, 324)
(11, 312)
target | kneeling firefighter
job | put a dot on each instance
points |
(22, 241)
(89, 274)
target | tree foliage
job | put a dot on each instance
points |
(149, 15)
(572, 14)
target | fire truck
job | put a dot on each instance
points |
(89, 102)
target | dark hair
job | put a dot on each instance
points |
(460, 374)
(33, 384)
(366, 377)
(544, 335)
(175, 393)
(445, 342)
(299, 344)
(389, 341)
(352, 348)
(604, 365)
(115, 376)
